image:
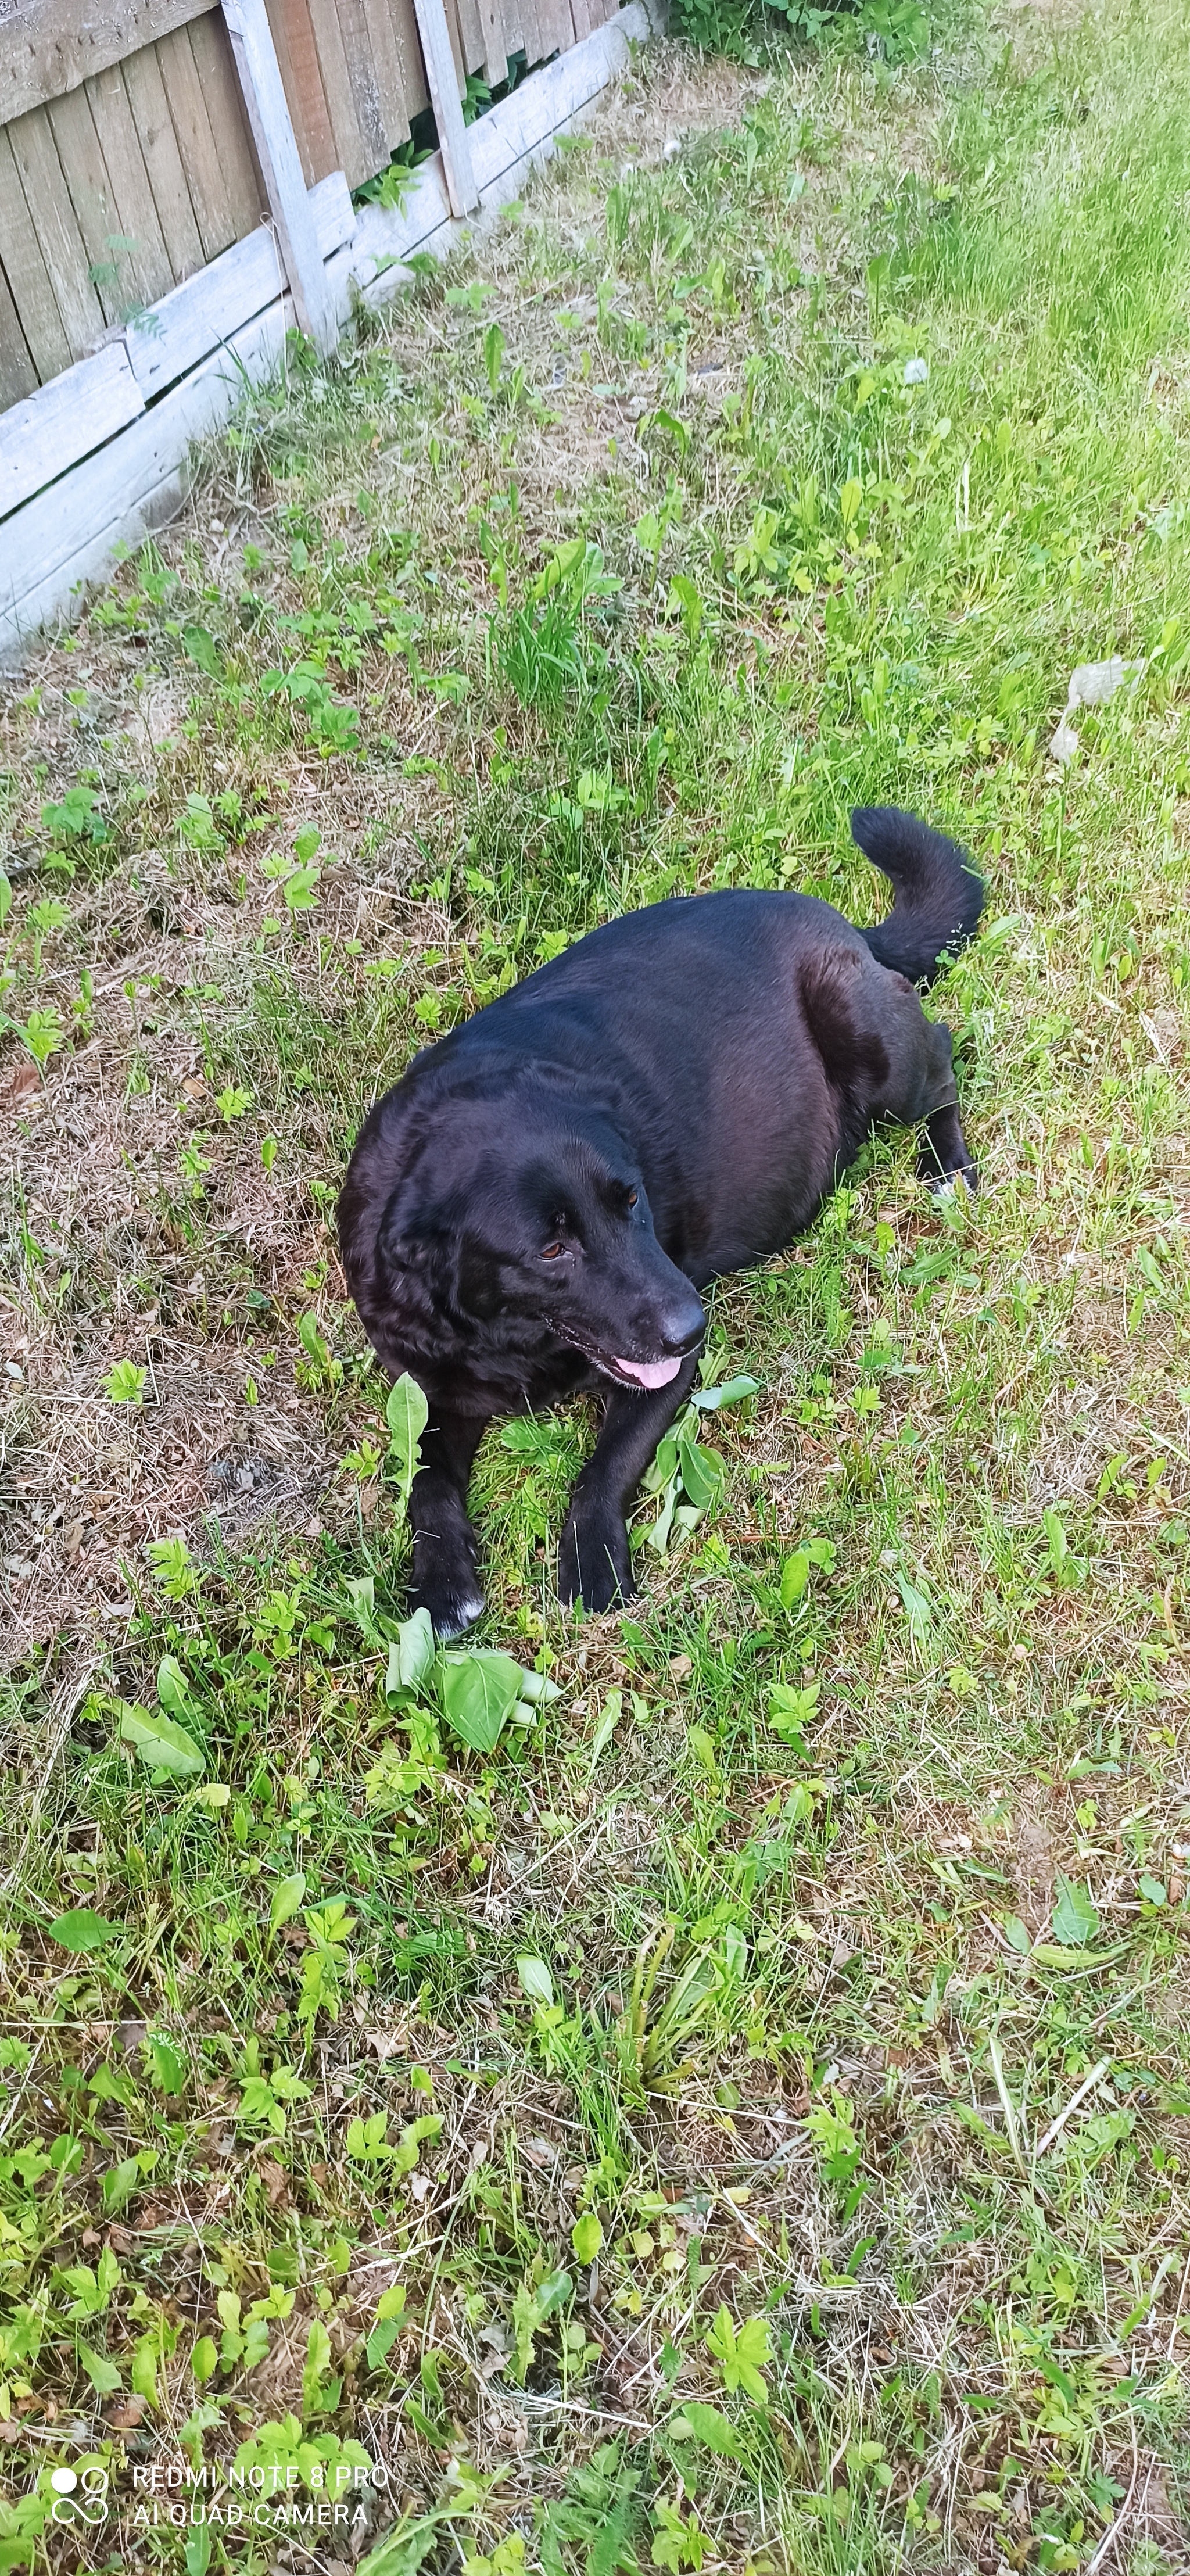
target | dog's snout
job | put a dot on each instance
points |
(683, 1325)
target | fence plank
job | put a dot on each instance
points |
(51, 46)
(555, 27)
(196, 143)
(451, 14)
(163, 161)
(28, 275)
(495, 42)
(361, 71)
(18, 375)
(148, 269)
(520, 28)
(297, 55)
(448, 114)
(470, 34)
(62, 246)
(350, 151)
(84, 182)
(277, 152)
(62, 421)
(413, 71)
(236, 140)
(386, 64)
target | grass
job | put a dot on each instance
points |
(742, 2119)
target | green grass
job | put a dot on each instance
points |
(813, 2195)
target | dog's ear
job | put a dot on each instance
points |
(410, 1235)
(452, 1264)
(477, 1286)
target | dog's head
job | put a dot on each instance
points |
(526, 1212)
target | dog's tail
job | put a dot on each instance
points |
(937, 896)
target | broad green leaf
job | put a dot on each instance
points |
(608, 1723)
(204, 2360)
(664, 1465)
(405, 2153)
(699, 2423)
(702, 1473)
(318, 2351)
(791, 1710)
(536, 1980)
(101, 2372)
(917, 1606)
(735, 1390)
(82, 1929)
(1153, 1890)
(124, 1383)
(119, 2183)
(196, 2554)
(551, 2294)
(1075, 1921)
(795, 1574)
(287, 1898)
(702, 1747)
(173, 1689)
(406, 1414)
(164, 1746)
(200, 645)
(478, 1692)
(586, 2236)
(383, 2336)
(411, 1654)
(166, 2064)
(740, 2353)
(1048, 1954)
(537, 1688)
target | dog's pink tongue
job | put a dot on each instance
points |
(650, 1372)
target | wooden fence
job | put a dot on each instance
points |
(175, 193)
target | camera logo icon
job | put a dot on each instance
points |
(80, 2496)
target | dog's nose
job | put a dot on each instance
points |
(683, 1325)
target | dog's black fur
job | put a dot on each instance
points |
(533, 1209)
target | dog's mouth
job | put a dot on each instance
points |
(646, 1374)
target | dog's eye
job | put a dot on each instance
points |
(632, 1198)
(552, 1252)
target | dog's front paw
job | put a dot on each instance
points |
(943, 1184)
(449, 1588)
(594, 1563)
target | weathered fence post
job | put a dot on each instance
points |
(281, 169)
(444, 99)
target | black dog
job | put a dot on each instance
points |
(533, 1209)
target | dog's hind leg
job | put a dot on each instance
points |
(445, 1551)
(594, 1558)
